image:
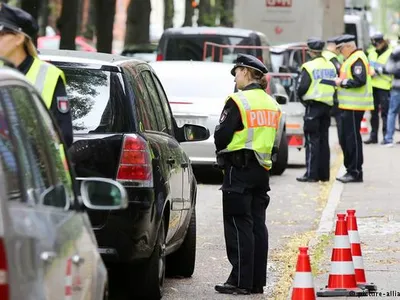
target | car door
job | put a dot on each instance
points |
(87, 271)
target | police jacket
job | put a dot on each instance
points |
(61, 115)
(393, 67)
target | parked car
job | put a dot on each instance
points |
(189, 43)
(46, 239)
(197, 92)
(289, 58)
(124, 130)
(53, 43)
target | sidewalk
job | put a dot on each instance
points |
(377, 205)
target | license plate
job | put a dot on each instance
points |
(183, 121)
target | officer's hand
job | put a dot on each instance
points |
(338, 81)
(379, 71)
(372, 72)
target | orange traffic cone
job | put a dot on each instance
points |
(356, 252)
(303, 286)
(342, 279)
(364, 126)
(68, 280)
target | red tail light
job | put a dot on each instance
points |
(159, 57)
(135, 166)
(4, 290)
(295, 140)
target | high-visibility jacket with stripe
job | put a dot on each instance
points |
(328, 55)
(260, 115)
(355, 98)
(382, 81)
(44, 77)
(320, 68)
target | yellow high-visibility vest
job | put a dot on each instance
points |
(355, 98)
(260, 115)
(328, 55)
(383, 81)
(320, 68)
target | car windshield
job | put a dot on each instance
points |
(94, 108)
(187, 47)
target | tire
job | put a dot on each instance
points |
(182, 262)
(281, 163)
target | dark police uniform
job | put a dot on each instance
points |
(16, 20)
(355, 97)
(245, 198)
(381, 84)
(318, 100)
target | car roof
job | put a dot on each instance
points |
(210, 30)
(87, 59)
(201, 68)
(283, 47)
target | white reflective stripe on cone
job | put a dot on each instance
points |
(342, 268)
(342, 242)
(358, 262)
(354, 237)
(303, 280)
(3, 277)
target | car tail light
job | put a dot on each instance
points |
(4, 287)
(135, 165)
(295, 140)
(159, 57)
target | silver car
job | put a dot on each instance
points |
(47, 247)
(197, 91)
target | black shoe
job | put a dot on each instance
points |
(306, 179)
(227, 288)
(324, 180)
(371, 141)
(257, 290)
(350, 178)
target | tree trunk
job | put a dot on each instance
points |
(189, 11)
(105, 13)
(226, 12)
(206, 14)
(90, 27)
(168, 14)
(67, 24)
(138, 24)
(31, 7)
(44, 17)
(79, 18)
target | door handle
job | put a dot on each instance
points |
(170, 161)
(48, 256)
(185, 165)
(77, 260)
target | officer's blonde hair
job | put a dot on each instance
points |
(30, 47)
(259, 77)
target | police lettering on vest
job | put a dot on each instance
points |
(262, 118)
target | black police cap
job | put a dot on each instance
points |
(345, 38)
(15, 19)
(249, 61)
(315, 44)
(377, 37)
(333, 39)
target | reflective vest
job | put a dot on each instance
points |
(355, 98)
(260, 115)
(383, 81)
(328, 55)
(320, 68)
(44, 77)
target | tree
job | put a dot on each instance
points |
(67, 24)
(91, 21)
(207, 13)
(137, 35)
(105, 13)
(44, 17)
(31, 7)
(226, 12)
(394, 5)
(189, 11)
(168, 14)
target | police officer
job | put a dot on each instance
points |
(318, 100)
(381, 84)
(244, 140)
(355, 97)
(16, 31)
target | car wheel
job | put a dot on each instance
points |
(281, 163)
(182, 262)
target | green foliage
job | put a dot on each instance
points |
(393, 5)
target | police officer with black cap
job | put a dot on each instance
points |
(354, 92)
(381, 84)
(17, 28)
(244, 140)
(318, 100)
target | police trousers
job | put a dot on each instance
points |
(381, 104)
(317, 120)
(245, 200)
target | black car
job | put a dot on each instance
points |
(124, 130)
(188, 43)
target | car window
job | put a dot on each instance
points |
(28, 129)
(143, 105)
(97, 101)
(165, 104)
(155, 100)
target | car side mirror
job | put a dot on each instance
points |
(103, 194)
(195, 133)
(281, 99)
